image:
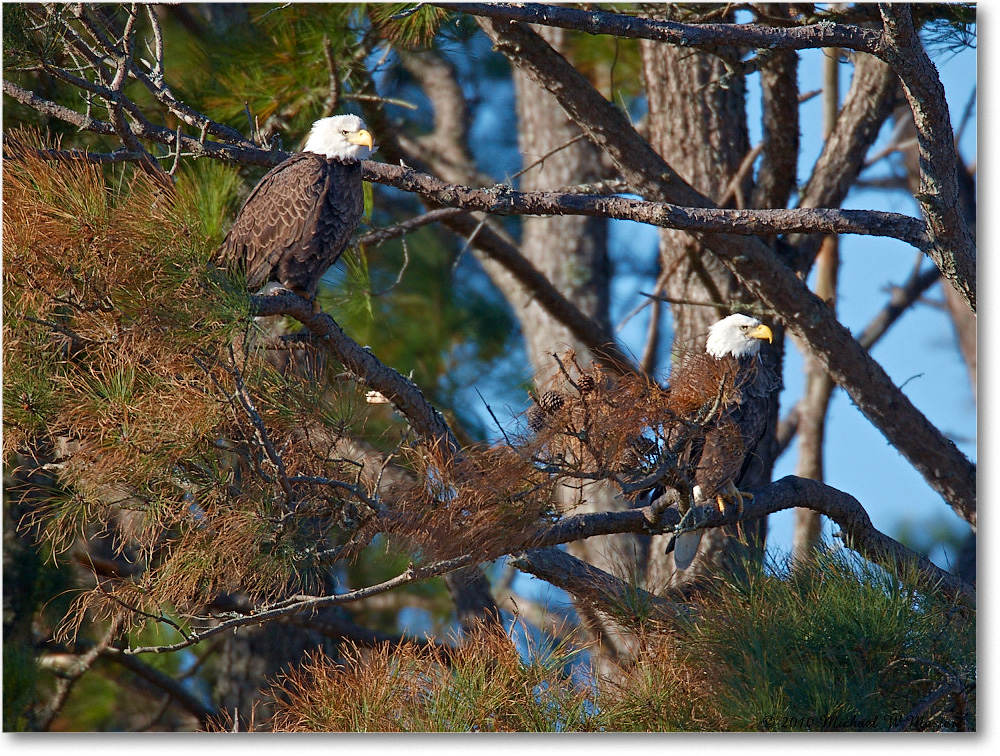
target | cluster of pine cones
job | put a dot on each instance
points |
(550, 402)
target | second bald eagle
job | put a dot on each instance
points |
(300, 217)
(724, 395)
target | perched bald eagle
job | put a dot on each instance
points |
(723, 396)
(300, 217)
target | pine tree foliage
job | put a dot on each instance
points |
(839, 646)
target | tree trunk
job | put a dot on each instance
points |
(572, 253)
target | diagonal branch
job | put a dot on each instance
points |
(953, 249)
(405, 396)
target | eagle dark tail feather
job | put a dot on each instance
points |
(685, 548)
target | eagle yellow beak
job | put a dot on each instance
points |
(762, 332)
(362, 137)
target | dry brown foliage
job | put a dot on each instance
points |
(139, 383)
(484, 685)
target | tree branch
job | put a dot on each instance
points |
(593, 586)
(533, 550)
(406, 397)
(858, 532)
(953, 248)
(822, 34)
(502, 200)
(298, 604)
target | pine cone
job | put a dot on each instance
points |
(586, 383)
(536, 418)
(551, 402)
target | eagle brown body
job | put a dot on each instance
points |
(727, 404)
(721, 399)
(295, 223)
(301, 215)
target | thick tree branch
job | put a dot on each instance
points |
(901, 299)
(502, 200)
(858, 532)
(601, 590)
(936, 457)
(822, 34)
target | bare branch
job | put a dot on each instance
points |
(82, 121)
(901, 299)
(502, 200)
(823, 34)
(299, 604)
(378, 236)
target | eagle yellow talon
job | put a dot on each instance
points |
(732, 493)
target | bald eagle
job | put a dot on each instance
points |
(300, 217)
(723, 398)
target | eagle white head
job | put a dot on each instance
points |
(341, 137)
(738, 335)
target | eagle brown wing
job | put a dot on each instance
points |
(295, 223)
(724, 408)
(729, 452)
